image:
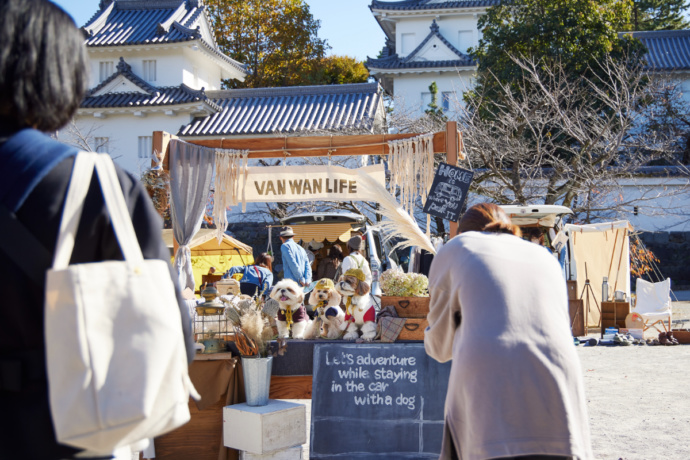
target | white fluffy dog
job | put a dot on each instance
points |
(328, 316)
(360, 315)
(292, 316)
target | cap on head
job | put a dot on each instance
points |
(355, 243)
(325, 283)
(357, 273)
(286, 232)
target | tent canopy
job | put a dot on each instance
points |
(207, 253)
(204, 243)
(319, 232)
(598, 251)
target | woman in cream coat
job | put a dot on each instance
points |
(499, 311)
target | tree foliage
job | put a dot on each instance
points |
(277, 39)
(556, 139)
(573, 34)
(658, 15)
(335, 70)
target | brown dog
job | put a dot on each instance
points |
(360, 315)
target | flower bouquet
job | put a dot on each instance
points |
(396, 283)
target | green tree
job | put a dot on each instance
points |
(434, 111)
(574, 34)
(277, 39)
(334, 70)
(658, 15)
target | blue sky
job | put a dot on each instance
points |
(348, 26)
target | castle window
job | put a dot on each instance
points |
(145, 146)
(101, 144)
(149, 70)
(407, 44)
(465, 40)
(105, 69)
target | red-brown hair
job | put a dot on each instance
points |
(487, 217)
(265, 260)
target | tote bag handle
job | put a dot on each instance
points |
(114, 202)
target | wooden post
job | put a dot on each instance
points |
(452, 159)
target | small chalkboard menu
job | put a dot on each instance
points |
(448, 192)
(377, 401)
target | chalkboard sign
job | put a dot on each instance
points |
(377, 401)
(448, 192)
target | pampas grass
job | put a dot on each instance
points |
(398, 222)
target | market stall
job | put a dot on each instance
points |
(193, 163)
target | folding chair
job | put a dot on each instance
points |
(653, 303)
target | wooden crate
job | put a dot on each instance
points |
(407, 307)
(413, 329)
(683, 336)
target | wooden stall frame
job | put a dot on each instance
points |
(448, 142)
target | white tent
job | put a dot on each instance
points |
(598, 251)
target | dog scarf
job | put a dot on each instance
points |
(290, 316)
(370, 314)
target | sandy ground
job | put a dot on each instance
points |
(638, 398)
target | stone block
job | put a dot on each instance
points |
(264, 429)
(291, 453)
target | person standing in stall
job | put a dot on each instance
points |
(296, 264)
(355, 259)
(43, 78)
(499, 311)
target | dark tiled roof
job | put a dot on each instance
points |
(393, 61)
(153, 96)
(425, 5)
(666, 49)
(145, 22)
(289, 110)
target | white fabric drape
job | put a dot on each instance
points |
(191, 171)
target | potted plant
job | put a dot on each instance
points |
(253, 335)
(408, 292)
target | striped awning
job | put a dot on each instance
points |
(319, 232)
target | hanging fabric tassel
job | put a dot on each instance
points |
(226, 186)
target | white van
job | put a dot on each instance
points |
(375, 249)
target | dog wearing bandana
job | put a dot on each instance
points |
(292, 317)
(328, 316)
(360, 315)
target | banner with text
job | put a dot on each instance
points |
(310, 183)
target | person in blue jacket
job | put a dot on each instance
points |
(255, 278)
(296, 264)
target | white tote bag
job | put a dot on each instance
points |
(116, 360)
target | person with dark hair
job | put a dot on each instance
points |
(498, 310)
(328, 266)
(256, 278)
(43, 77)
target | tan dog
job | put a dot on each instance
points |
(360, 314)
(292, 316)
(328, 316)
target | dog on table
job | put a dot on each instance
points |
(292, 316)
(360, 315)
(328, 316)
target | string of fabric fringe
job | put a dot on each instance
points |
(411, 163)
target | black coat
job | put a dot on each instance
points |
(26, 429)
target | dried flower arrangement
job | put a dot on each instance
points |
(395, 282)
(253, 332)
